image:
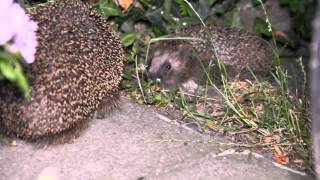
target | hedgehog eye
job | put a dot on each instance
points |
(168, 66)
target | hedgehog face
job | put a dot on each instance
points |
(173, 66)
(165, 66)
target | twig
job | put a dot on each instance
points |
(138, 78)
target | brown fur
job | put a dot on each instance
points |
(235, 48)
(180, 56)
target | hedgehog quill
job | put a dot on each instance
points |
(78, 66)
(178, 62)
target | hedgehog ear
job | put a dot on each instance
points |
(150, 54)
(187, 51)
(149, 58)
(190, 54)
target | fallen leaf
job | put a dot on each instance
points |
(298, 162)
(13, 143)
(142, 67)
(267, 139)
(264, 132)
(277, 149)
(125, 4)
(147, 38)
(200, 108)
(272, 139)
(277, 138)
(242, 99)
(279, 156)
(239, 85)
(281, 34)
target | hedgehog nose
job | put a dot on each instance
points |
(152, 75)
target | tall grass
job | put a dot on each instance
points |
(273, 109)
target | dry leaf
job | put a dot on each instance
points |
(272, 139)
(267, 139)
(281, 159)
(125, 4)
(239, 85)
(142, 67)
(298, 162)
(264, 132)
(277, 149)
(279, 156)
(218, 112)
(282, 34)
(200, 108)
(13, 143)
(242, 99)
(276, 138)
(147, 38)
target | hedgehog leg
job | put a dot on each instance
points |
(109, 103)
(67, 136)
(64, 137)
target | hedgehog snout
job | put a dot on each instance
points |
(154, 76)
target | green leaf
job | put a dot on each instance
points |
(127, 73)
(218, 11)
(155, 18)
(128, 39)
(133, 14)
(261, 27)
(22, 80)
(256, 2)
(7, 70)
(188, 21)
(184, 8)
(128, 85)
(233, 19)
(160, 99)
(285, 2)
(109, 8)
(140, 101)
(212, 1)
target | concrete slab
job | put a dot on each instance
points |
(136, 143)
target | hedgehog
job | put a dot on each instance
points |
(182, 62)
(78, 67)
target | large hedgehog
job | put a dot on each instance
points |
(78, 67)
(176, 62)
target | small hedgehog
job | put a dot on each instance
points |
(177, 62)
(78, 67)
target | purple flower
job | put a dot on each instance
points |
(16, 25)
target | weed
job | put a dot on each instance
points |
(264, 111)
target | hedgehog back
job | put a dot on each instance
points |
(236, 48)
(79, 62)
